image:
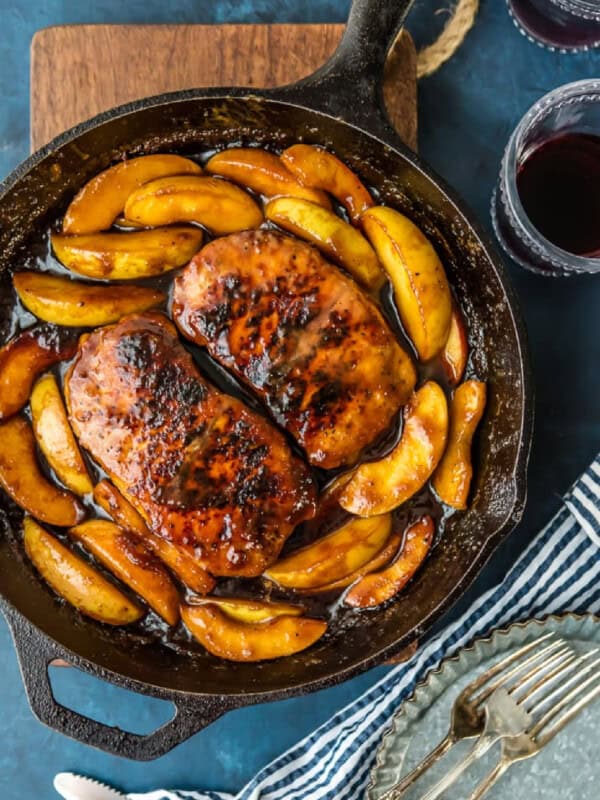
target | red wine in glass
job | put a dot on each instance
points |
(563, 24)
(558, 182)
(546, 205)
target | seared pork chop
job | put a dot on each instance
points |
(204, 471)
(312, 345)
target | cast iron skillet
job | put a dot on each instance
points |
(340, 106)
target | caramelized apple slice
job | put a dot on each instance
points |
(22, 479)
(110, 499)
(25, 357)
(123, 256)
(380, 486)
(420, 285)
(452, 478)
(378, 587)
(263, 172)
(332, 490)
(251, 611)
(123, 222)
(76, 581)
(319, 169)
(377, 562)
(455, 354)
(220, 206)
(334, 556)
(73, 303)
(55, 437)
(259, 641)
(97, 205)
(131, 562)
(181, 563)
(334, 237)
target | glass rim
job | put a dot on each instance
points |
(586, 9)
(581, 9)
(582, 90)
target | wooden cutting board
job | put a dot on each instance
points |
(80, 70)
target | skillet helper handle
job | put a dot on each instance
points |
(35, 653)
(350, 84)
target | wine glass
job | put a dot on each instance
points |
(564, 25)
(571, 110)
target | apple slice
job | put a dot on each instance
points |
(123, 222)
(123, 256)
(110, 499)
(55, 437)
(244, 610)
(219, 205)
(315, 167)
(180, 562)
(420, 285)
(378, 487)
(334, 556)
(132, 563)
(103, 198)
(25, 357)
(452, 479)
(334, 237)
(455, 354)
(76, 304)
(377, 562)
(378, 587)
(75, 580)
(230, 639)
(22, 479)
(263, 172)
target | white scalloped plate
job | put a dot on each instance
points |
(567, 769)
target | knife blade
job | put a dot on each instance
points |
(77, 787)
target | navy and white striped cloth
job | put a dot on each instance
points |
(559, 571)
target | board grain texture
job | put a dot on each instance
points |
(78, 71)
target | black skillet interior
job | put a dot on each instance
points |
(179, 123)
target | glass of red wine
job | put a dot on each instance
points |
(546, 205)
(565, 25)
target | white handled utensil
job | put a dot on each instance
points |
(77, 787)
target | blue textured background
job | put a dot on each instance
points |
(466, 111)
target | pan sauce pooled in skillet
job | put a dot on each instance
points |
(203, 491)
(201, 468)
(309, 342)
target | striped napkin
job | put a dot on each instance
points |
(559, 571)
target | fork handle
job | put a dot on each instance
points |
(397, 791)
(489, 780)
(480, 747)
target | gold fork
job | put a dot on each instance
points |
(507, 713)
(467, 719)
(568, 705)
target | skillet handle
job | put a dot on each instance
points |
(36, 652)
(350, 84)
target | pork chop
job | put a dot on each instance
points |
(313, 347)
(204, 470)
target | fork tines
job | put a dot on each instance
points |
(522, 672)
(568, 699)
